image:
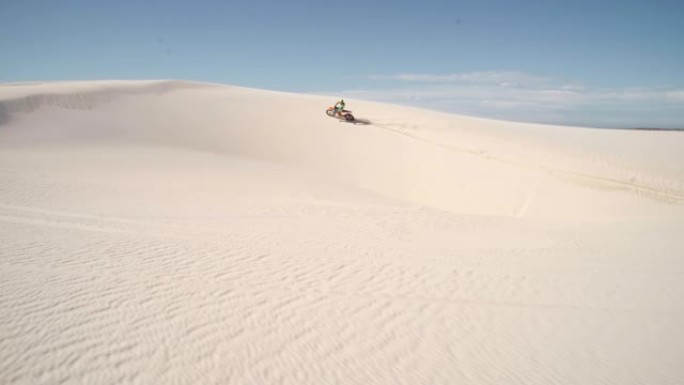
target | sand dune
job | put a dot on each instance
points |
(177, 232)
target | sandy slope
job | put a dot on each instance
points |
(172, 232)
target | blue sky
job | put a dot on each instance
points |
(597, 63)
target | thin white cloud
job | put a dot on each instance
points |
(518, 96)
(675, 96)
(501, 78)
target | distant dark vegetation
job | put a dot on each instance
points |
(651, 129)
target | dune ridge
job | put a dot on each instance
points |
(435, 160)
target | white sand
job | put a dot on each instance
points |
(183, 233)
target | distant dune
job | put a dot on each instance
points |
(179, 232)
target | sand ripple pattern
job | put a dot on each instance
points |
(108, 300)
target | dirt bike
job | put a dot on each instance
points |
(344, 114)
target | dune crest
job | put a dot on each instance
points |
(455, 163)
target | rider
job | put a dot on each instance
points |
(339, 107)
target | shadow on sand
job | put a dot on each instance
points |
(358, 121)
